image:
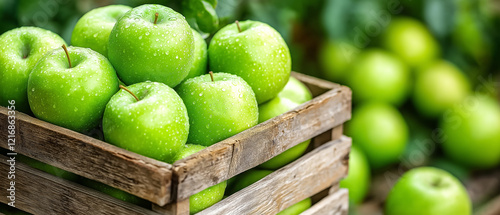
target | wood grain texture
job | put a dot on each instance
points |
(173, 208)
(334, 204)
(252, 147)
(490, 208)
(303, 178)
(38, 192)
(89, 157)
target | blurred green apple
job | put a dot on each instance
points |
(20, 50)
(254, 51)
(336, 58)
(151, 43)
(471, 133)
(155, 125)
(73, 92)
(93, 29)
(438, 87)
(206, 197)
(379, 76)
(411, 41)
(428, 191)
(380, 131)
(358, 179)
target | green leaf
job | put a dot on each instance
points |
(201, 14)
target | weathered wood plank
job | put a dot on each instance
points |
(334, 204)
(252, 147)
(144, 177)
(173, 208)
(38, 192)
(491, 208)
(303, 178)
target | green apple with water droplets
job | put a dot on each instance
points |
(218, 108)
(74, 93)
(151, 43)
(154, 124)
(254, 51)
(93, 29)
(206, 197)
(20, 50)
(199, 66)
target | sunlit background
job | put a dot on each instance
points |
(425, 76)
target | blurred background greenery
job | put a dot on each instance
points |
(425, 74)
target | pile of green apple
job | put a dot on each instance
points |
(400, 85)
(141, 75)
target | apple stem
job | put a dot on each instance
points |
(211, 75)
(156, 17)
(238, 25)
(131, 93)
(67, 55)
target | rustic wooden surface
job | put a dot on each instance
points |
(38, 192)
(89, 157)
(252, 147)
(336, 203)
(174, 208)
(491, 208)
(309, 174)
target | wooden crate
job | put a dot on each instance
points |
(168, 186)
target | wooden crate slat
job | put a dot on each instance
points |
(38, 192)
(264, 141)
(89, 157)
(310, 174)
(334, 204)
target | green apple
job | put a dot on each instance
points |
(380, 131)
(410, 40)
(218, 107)
(254, 51)
(379, 76)
(428, 191)
(297, 208)
(293, 94)
(206, 197)
(199, 66)
(93, 29)
(336, 58)
(151, 43)
(47, 168)
(73, 91)
(358, 179)
(114, 192)
(471, 133)
(295, 91)
(150, 120)
(438, 87)
(20, 51)
(246, 179)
